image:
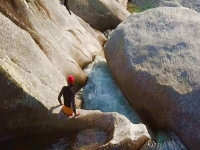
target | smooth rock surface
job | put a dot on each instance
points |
(99, 14)
(117, 130)
(90, 139)
(154, 58)
(41, 44)
(123, 2)
(192, 4)
(59, 35)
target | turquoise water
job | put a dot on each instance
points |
(102, 93)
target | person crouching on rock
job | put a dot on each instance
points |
(69, 98)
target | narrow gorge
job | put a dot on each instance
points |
(136, 71)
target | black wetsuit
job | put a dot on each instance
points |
(69, 96)
(66, 5)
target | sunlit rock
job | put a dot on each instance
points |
(62, 37)
(123, 2)
(100, 14)
(41, 44)
(154, 58)
(115, 129)
(90, 139)
(29, 81)
(95, 33)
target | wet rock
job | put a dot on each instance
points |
(153, 57)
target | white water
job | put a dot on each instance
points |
(101, 93)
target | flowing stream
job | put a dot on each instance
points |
(103, 94)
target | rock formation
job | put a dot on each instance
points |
(123, 2)
(170, 4)
(192, 4)
(56, 33)
(115, 129)
(154, 58)
(100, 14)
(40, 46)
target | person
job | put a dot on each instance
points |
(69, 98)
(66, 5)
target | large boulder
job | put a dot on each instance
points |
(41, 44)
(154, 58)
(100, 14)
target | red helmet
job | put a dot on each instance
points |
(70, 79)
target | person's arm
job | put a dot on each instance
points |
(59, 96)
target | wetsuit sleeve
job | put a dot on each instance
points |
(59, 96)
(73, 103)
(66, 5)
